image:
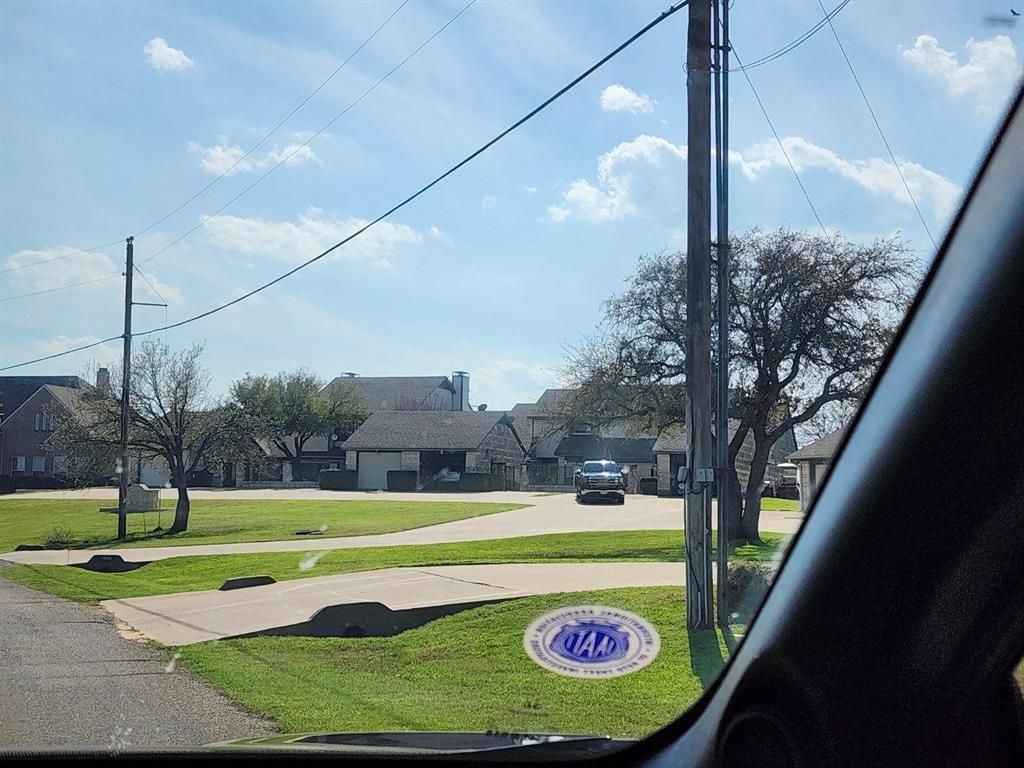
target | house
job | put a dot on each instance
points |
(429, 441)
(31, 421)
(557, 445)
(671, 450)
(378, 393)
(813, 461)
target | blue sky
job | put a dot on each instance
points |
(113, 114)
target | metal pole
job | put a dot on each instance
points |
(722, 413)
(126, 366)
(699, 597)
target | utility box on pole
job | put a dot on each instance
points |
(699, 595)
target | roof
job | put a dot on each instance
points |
(390, 393)
(823, 448)
(554, 401)
(521, 414)
(15, 390)
(425, 430)
(675, 440)
(624, 450)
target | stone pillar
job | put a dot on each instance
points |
(411, 460)
(350, 460)
(471, 457)
(286, 471)
(664, 474)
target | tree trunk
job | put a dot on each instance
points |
(735, 501)
(752, 495)
(181, 509)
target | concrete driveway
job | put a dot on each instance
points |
(547, 514)
(191, 617)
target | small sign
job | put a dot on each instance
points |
(592, 641)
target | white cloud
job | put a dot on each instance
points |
(488, 202)
(988, 77)
(79, 268)
(220, 158)
(616, 193)
(312, 233)
(61, 343)
(227, 158)
(619, 98)
(528, 189)
(437, 234)
(880, 177)
(646, 177)
(510, 382)
(162, 56)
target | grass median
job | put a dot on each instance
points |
(217, 521)
(190, 574)
(466, 672)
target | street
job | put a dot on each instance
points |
(69, 679)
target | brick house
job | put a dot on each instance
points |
(429, 441)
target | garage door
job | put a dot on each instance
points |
(373, 469)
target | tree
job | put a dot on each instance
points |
(172, 417)
(810, 319)
(290, 408)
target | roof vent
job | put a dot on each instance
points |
(348, 375)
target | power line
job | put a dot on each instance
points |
(829, 15)
(235, 164)
(785, 154)
(59, 288)
(151, 286)
(58, 258)
(304, 144)
(881, 133)
(281, 122)
(521, 121)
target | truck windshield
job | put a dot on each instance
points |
(600, 466)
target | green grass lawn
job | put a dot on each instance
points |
(465, 672)
(189, 574)
(216, 521)
(779, 505)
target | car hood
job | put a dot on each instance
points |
(609, 475)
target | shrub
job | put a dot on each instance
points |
(402, 479)
(748, 585)
(338, 479)
(648, 486)
(59, 538)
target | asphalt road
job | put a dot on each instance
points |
(67, 678)
(546, 514)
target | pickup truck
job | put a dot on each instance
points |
(600, 480)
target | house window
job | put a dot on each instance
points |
(38, 465)
(17, 463)
(39, 421)
(581, 429)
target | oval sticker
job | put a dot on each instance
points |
(591, 641)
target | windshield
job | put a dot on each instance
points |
(302, 397)
(600, 466)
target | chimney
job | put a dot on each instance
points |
(460, 380)
(103, 380)
(348, 375)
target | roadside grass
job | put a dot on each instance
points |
(779, 505)
(217, 521)
(190, 574)
(467, 672)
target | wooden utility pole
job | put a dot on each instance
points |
(126, 371)
(699, 596)
(722, 251)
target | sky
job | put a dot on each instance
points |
(114, 114)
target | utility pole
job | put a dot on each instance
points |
(126, 366)
(722, 209)
(699, 596)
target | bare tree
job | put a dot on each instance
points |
(172, 417)
(810, 320)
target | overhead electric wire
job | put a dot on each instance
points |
(151, 286)
(530, 115)
(59, 288)
(281, 122)
(829, 15)
(235, 164)
(323, 128)
(58, 258)
(807, 197)
(878, 125)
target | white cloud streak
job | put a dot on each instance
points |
(987, 78)
(161, 56)
(619, 98)
(227, 158)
